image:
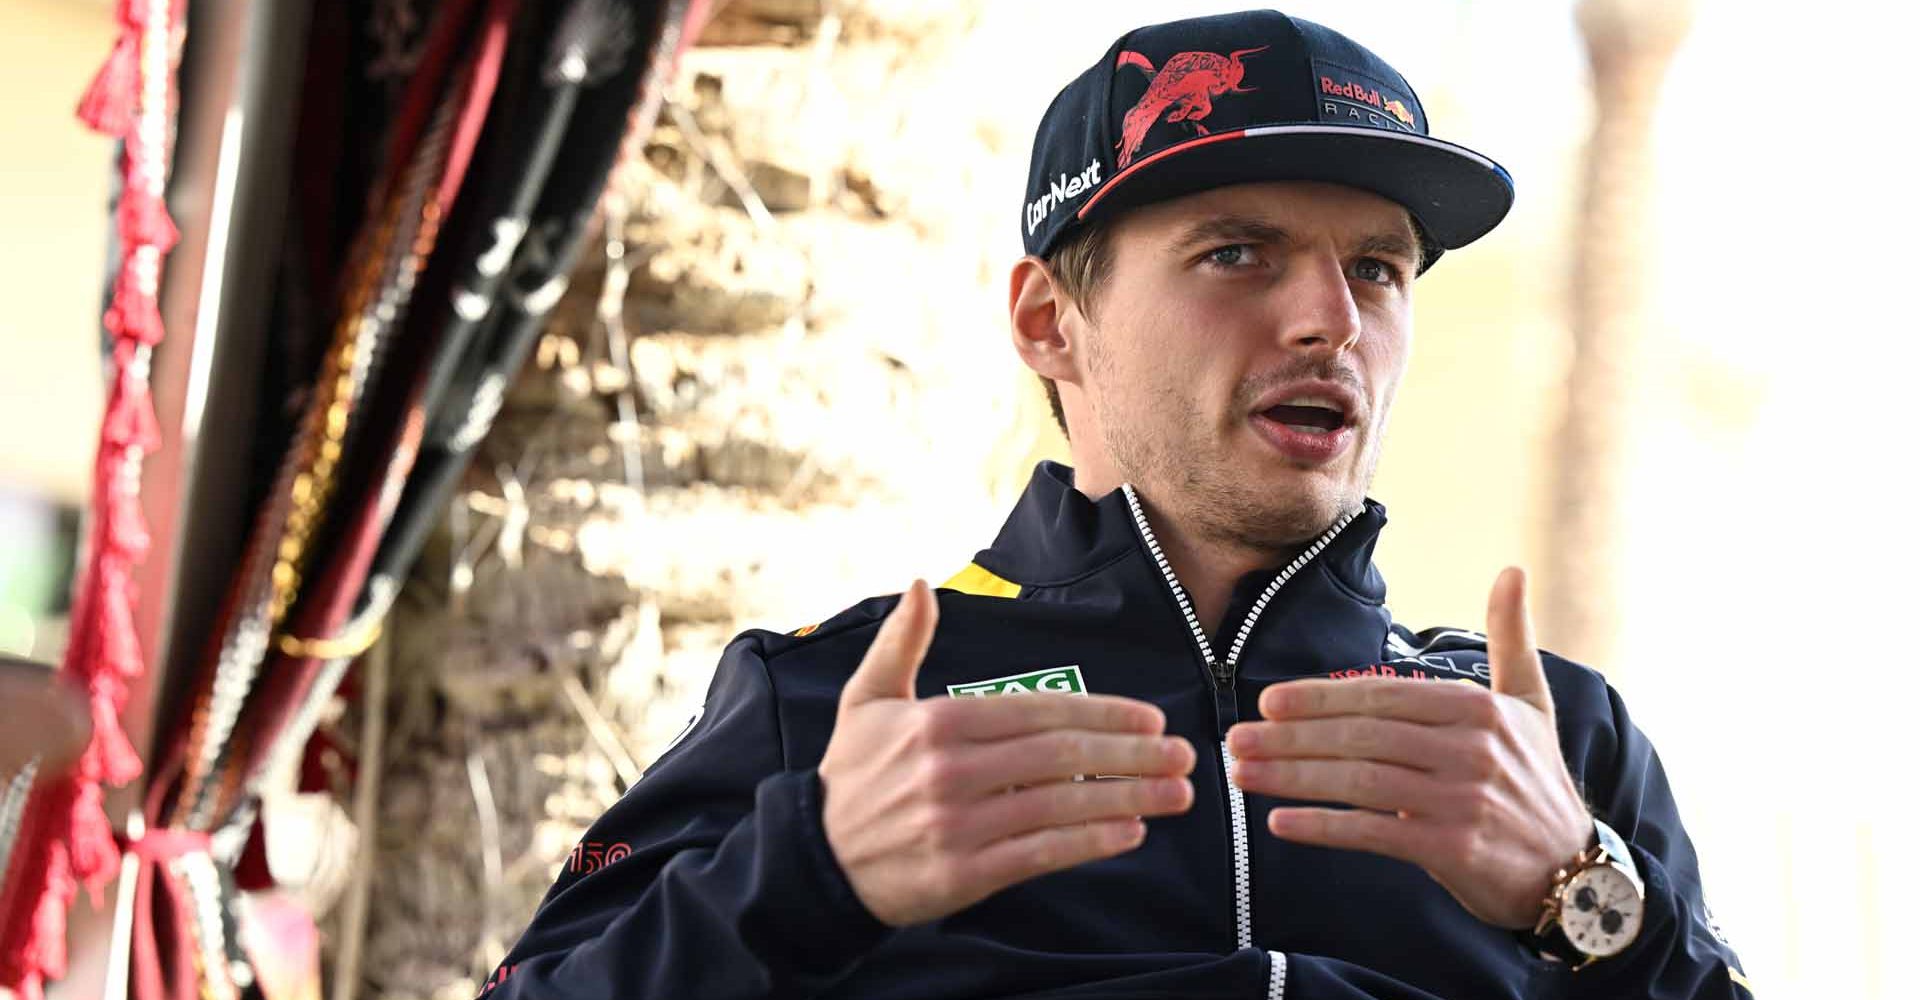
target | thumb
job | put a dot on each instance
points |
(1517, 670)
(894, 658)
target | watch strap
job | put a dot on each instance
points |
(1617, 851)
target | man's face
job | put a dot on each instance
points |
(1245, 349)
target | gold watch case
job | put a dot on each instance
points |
(1597, 902)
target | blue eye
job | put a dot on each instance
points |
(1232, 255)
(1375, 271)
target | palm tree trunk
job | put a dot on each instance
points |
(1630, 44)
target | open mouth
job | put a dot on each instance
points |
(1308, 416)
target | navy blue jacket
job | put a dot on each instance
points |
(712, 877)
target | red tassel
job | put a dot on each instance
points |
(127, 532)
(130, 422)
(144, 219)
(133, 313)
(119, 763)
(46, 945)
(107, 106)
(94, 853)
(120, 650)
(112, 607)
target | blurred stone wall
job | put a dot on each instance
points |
(818, 405)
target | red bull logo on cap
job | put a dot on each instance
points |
(1351, 91)
(1183, 90)
(1355, 99)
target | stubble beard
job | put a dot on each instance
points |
(1175, 462)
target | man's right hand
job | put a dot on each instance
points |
(934, 805)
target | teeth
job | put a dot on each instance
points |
(1307, 429)
(1320, 401)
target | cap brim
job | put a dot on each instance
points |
(1454, 193)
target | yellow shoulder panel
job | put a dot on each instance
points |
(976, 580)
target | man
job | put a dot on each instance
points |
(1228, 772)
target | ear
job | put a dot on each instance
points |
(1047, 326)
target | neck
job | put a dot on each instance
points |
(1208, 567)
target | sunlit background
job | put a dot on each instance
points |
(1767, 546)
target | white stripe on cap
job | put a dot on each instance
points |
(1413, 137)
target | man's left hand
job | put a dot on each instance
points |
(1466, 782)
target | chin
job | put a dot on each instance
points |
(1282, 510)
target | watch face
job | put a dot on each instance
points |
(1601, 910)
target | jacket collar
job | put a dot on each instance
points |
(1057, 535)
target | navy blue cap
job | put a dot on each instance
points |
(1177, 108)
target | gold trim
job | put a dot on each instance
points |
(1740, 978)
(980, 582)
(356, 640)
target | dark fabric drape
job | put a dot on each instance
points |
(493, 147)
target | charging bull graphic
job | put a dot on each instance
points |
(1184, 89)
(1399, 110)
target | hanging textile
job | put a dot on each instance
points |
(61, 838)
(496, 150)
(184, 936)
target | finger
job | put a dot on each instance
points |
(1434, 703)
(1350, 737)
(1363, 783)
(49, 717)
(1029, 855)
(1060, 754)
(893, 660)
(1070, 803)
(1517, 670)
(1352, 830)
(987, 719)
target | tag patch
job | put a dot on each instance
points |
(1059, 680)
(1354, 98)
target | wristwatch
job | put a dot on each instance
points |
(1596, 903)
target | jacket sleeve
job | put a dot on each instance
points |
(695, 882)
(1316, 977)
(1679, 952)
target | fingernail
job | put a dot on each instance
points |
(1166, 791)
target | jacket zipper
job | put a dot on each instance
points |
(1222, 672)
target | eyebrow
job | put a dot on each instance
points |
(1394, 245)
(1222, 229)
(1228, 229)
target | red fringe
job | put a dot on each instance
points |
(130, 422)
(133, 313)
(46, 946)
(118, 652)
(144, 219)
(126, 527)
(68, 838)
(93, 855)
(116, 760)
(107, 106)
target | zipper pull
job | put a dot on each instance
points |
(1222, 674)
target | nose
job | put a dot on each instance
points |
(1317, 305)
